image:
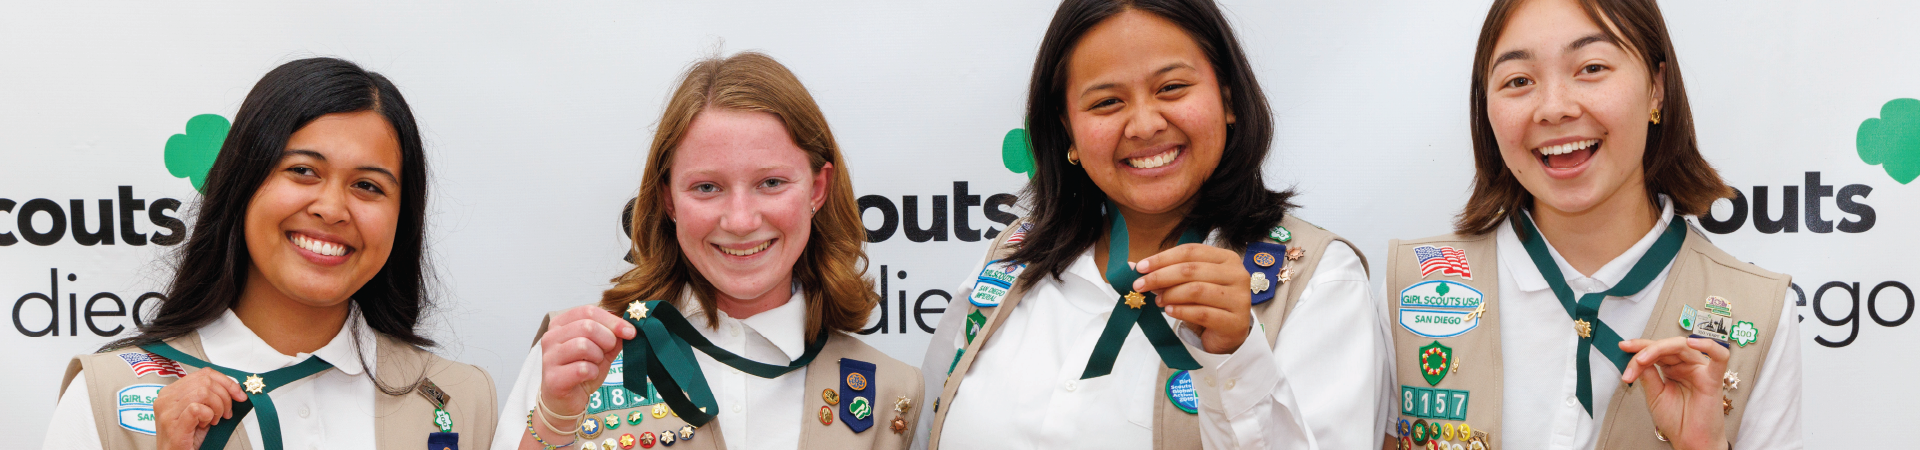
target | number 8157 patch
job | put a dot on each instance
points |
(1433, 403)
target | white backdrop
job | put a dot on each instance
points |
(537, 115)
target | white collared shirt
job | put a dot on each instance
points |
(757, 413)
(1319, 386)
(333, 409)
(1539, 408)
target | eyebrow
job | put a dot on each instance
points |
(317, 155)
(1161, 71)
(1575, 45)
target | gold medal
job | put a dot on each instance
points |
(637, 310)
(1135, 300)
(255, 385)
(1584, 329)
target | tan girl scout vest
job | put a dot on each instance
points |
(1464, 367)
(616, 416)
(1174, 427)
(402, 421)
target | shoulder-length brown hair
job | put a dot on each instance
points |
(830, 269)
(1672, 164)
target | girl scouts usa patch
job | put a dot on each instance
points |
(1440, 308)
(995, 281)
(136, 407)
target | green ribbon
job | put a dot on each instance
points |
(1148, 316)
(1588, 306)
(269, 418)
(664, 344)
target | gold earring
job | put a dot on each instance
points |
(1073, 158)
(1655, 117)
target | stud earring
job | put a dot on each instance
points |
(1655, 117)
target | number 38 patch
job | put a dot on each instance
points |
(1432, 403)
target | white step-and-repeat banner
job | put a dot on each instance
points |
(537, 114)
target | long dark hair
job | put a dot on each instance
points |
(1066, 205)
(210, 271)
(1672, 164)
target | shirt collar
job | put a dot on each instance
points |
(1528, 278)
(784, 325)
(228, 342)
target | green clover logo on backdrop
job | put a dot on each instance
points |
(190, 155)
(1892, 141)
(1016, 152)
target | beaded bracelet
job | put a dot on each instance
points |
(543, 442)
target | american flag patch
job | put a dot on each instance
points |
(146, 363)
(1019, 234)
(1443, 259)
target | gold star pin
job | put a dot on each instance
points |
(1295, 253)
(637, 310)
(902, 405)
(255, 384)
(1583, 328)
(1135, 300)
(1730, 381)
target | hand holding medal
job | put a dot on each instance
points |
(1204, 286)
(185, 410)
(579, 347)
(1684, 392)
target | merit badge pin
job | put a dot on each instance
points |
(627, 440)
(1718, 305)
(1712, 326)
(856, 409)
(1420, 432)
(148, 363)
(902, 404)
(1135, 300)
(442, 420)
(1443, 259)
(686, 432)
(975, 322)
(609, 444)
(590, 427)
(1280, 234)
(637, 310)
(1264, 271)
(826, 415)
(1744, 333)
(1730, 381)
(1295, 253)
(1582, 328)
(1180, 392)
(635, 417)
(898, 426)
(995, 281)
(1440, 308)
(647, 439)
(611, 422)
(136, 407)
(1446, 432)
(666, 438)
(1405, 427)
(1686, 317)
(659, 410)
(1434, 361)
(832, 398)
(1019, 234)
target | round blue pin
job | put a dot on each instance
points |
(1180, 392)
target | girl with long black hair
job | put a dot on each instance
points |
(292, 316)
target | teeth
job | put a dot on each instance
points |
(1567, 147)
(756, 249)
(321, 247)
(1154, 161)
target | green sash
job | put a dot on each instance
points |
(269, 418)
(663, 345)
(1149, 315)
(1587, 308)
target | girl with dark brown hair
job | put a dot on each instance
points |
(1575, 308)
(747, 247)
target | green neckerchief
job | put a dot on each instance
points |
(663, 344)
(269, 418)
(1148, 314)
(1601, 337)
